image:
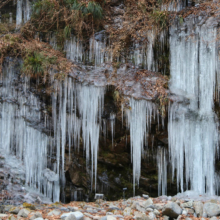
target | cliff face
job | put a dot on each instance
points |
(88, 108)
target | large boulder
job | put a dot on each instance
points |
(211, 209)
(172, 210)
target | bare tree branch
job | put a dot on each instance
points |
(3, 3)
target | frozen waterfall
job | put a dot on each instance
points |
(192, 130)
(21, 133)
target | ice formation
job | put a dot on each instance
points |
(23, 12)
(192, 130)
(21, 133)
(100, 51)
(138, 120)
(89, 101)
(74, 50)
(162, 163)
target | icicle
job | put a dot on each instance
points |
(74, 49)
(112, 119)
(139, 122)
(19, 13)
(162, 171)
(90, 102)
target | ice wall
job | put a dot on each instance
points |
(21, 132)
(192, 129)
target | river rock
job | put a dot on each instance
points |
(71, 217)
(54, 212)
(8, 207)
(147, 203)
(190, 211)
(23, 213)
(211, 209)
(39, 218)
(64, 209)
(184, 212)
(172, 210)
(156, 212)
(187, 204)
(77, 214)
(145, 196)
(35, 215)
(14, 210)
(12, 218)
(110, 217)
(134, 204)
(3, 215)
(149, 210)
(158, 206)
(165, 217)
(151, 216)
(73, 208)
(139, 208)
(127, 211)
(213, 218)
(198, 207)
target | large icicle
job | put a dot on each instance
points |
(162, 171)
(19, 14)
(139, 120)
(90, 104)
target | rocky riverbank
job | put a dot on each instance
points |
(163, 207)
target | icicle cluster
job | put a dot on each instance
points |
(138, 120)
(89, 101)
(23, 12)
(21, 134)
(99, 51)
(193, 136)
(74, 50)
